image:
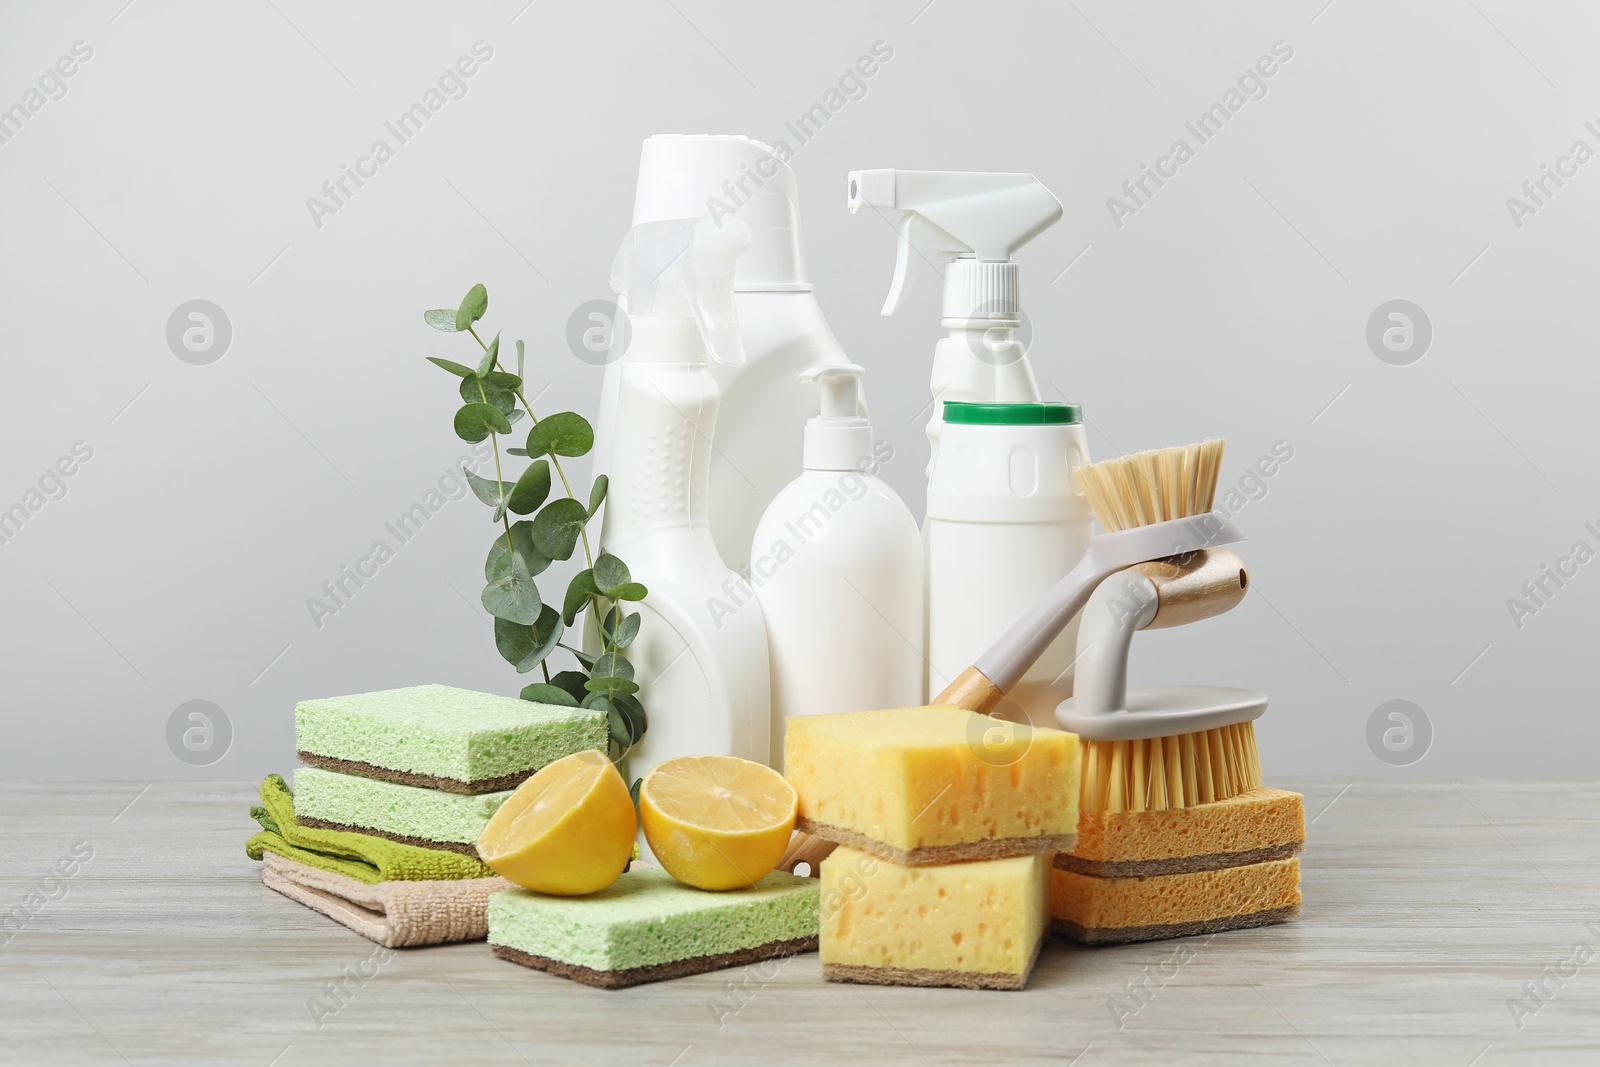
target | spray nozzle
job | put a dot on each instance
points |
(684, 268)
(839, 438)
(977, 219)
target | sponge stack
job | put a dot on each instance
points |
(426, 765)
(1143, 875)
(948, 820)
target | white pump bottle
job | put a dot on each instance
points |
(837, 565)
(764, 405)
(978, 221)
(702, 670)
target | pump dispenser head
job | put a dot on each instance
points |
(978, 220)
(838, 439)
(683, 268)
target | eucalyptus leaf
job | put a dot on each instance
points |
(612, 665)
(499, 561)
(525, 647)
(557, 526)
(566, 433)
(514, 450)
(579, 592)
(630, 707)
(490, 354)
(627, 630)
(585, 660)
(633, 791)
(532, 488)
(441, 319)
(496, 387)
(454, 368)
(474, 422)
(473, 305)
(487, 489)
(629, 591)
(610, 572)
(611, 684)
(513, 596)
(572, 682)
(597, 493)
(520, 353)
(617, 727)
(515, 416)
(545, 693)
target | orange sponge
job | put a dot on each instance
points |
(1107, 910)
(1255, 826)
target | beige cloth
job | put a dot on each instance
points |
(394, 914)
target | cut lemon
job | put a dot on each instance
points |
(717, 822)
(568, 830)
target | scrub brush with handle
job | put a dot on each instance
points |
(981, 686)
(1158, 747)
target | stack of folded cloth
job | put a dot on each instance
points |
(380, 830)
(1143, 875)
(947, 821)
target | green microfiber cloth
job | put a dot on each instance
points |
(363, 857)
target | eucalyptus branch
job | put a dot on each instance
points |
(527, 629)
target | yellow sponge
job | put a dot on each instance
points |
(973, 925)
(1104, 910)
(1257, 825)
(933, 785)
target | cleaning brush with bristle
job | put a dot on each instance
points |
(1170, 746)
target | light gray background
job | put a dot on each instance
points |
(219, 498)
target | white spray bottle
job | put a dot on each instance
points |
(837, 565)
(978, 221)
(1005, 517)
(701, 655)
(764, 405)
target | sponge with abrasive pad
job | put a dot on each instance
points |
(647, 926)
(441, 737)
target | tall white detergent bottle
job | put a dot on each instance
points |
(764, 405)
(837, 566)
(702, 673)
(1006, 520)
(977, 220)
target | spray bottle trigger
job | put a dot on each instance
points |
(918, 238)
(708, 283)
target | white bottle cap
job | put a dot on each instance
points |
(690, 175)
(838, 439)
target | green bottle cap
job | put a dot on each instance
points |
(1046, 414)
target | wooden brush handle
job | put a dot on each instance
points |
(1205, 583)
(971, 690)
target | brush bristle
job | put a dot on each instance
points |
(1147, 487)
(1160, 773)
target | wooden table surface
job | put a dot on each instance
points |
(1433, 909)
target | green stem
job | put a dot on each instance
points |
(583, 531)
(494, 443)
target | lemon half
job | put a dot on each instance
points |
(568, 830)
(717, 822)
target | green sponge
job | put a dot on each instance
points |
(442, 737)
(410, 814)
(648, 926)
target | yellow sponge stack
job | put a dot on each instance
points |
(949, 819)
